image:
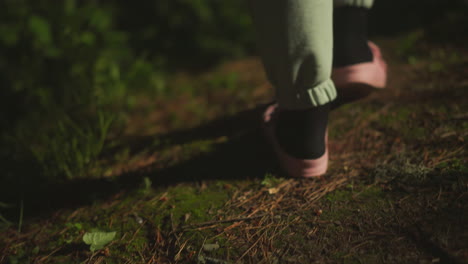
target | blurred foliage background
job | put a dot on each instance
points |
(69, 71)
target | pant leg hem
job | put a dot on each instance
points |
(323, 93)
(356, 3)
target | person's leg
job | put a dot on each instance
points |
(295, 42)
(295, 39)
(350, 32)
(358, 66)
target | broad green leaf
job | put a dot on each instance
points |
(41, 29)
(97, 240)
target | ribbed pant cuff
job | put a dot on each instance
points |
(318, 95)
(356, 3)
(322, 93)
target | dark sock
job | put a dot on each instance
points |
(301, 133)
(350, 36)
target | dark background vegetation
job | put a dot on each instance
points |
(71, 70)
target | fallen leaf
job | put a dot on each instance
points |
(97, 240)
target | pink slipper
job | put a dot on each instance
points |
(293, 166)
(358, 80)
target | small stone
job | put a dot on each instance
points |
(210, 247)
(273, 190)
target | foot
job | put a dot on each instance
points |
(293, 166)
(356, 81)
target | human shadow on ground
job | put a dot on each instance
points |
(245, 155)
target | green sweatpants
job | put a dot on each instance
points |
(295, 39)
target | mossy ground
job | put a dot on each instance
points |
(191, 180)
